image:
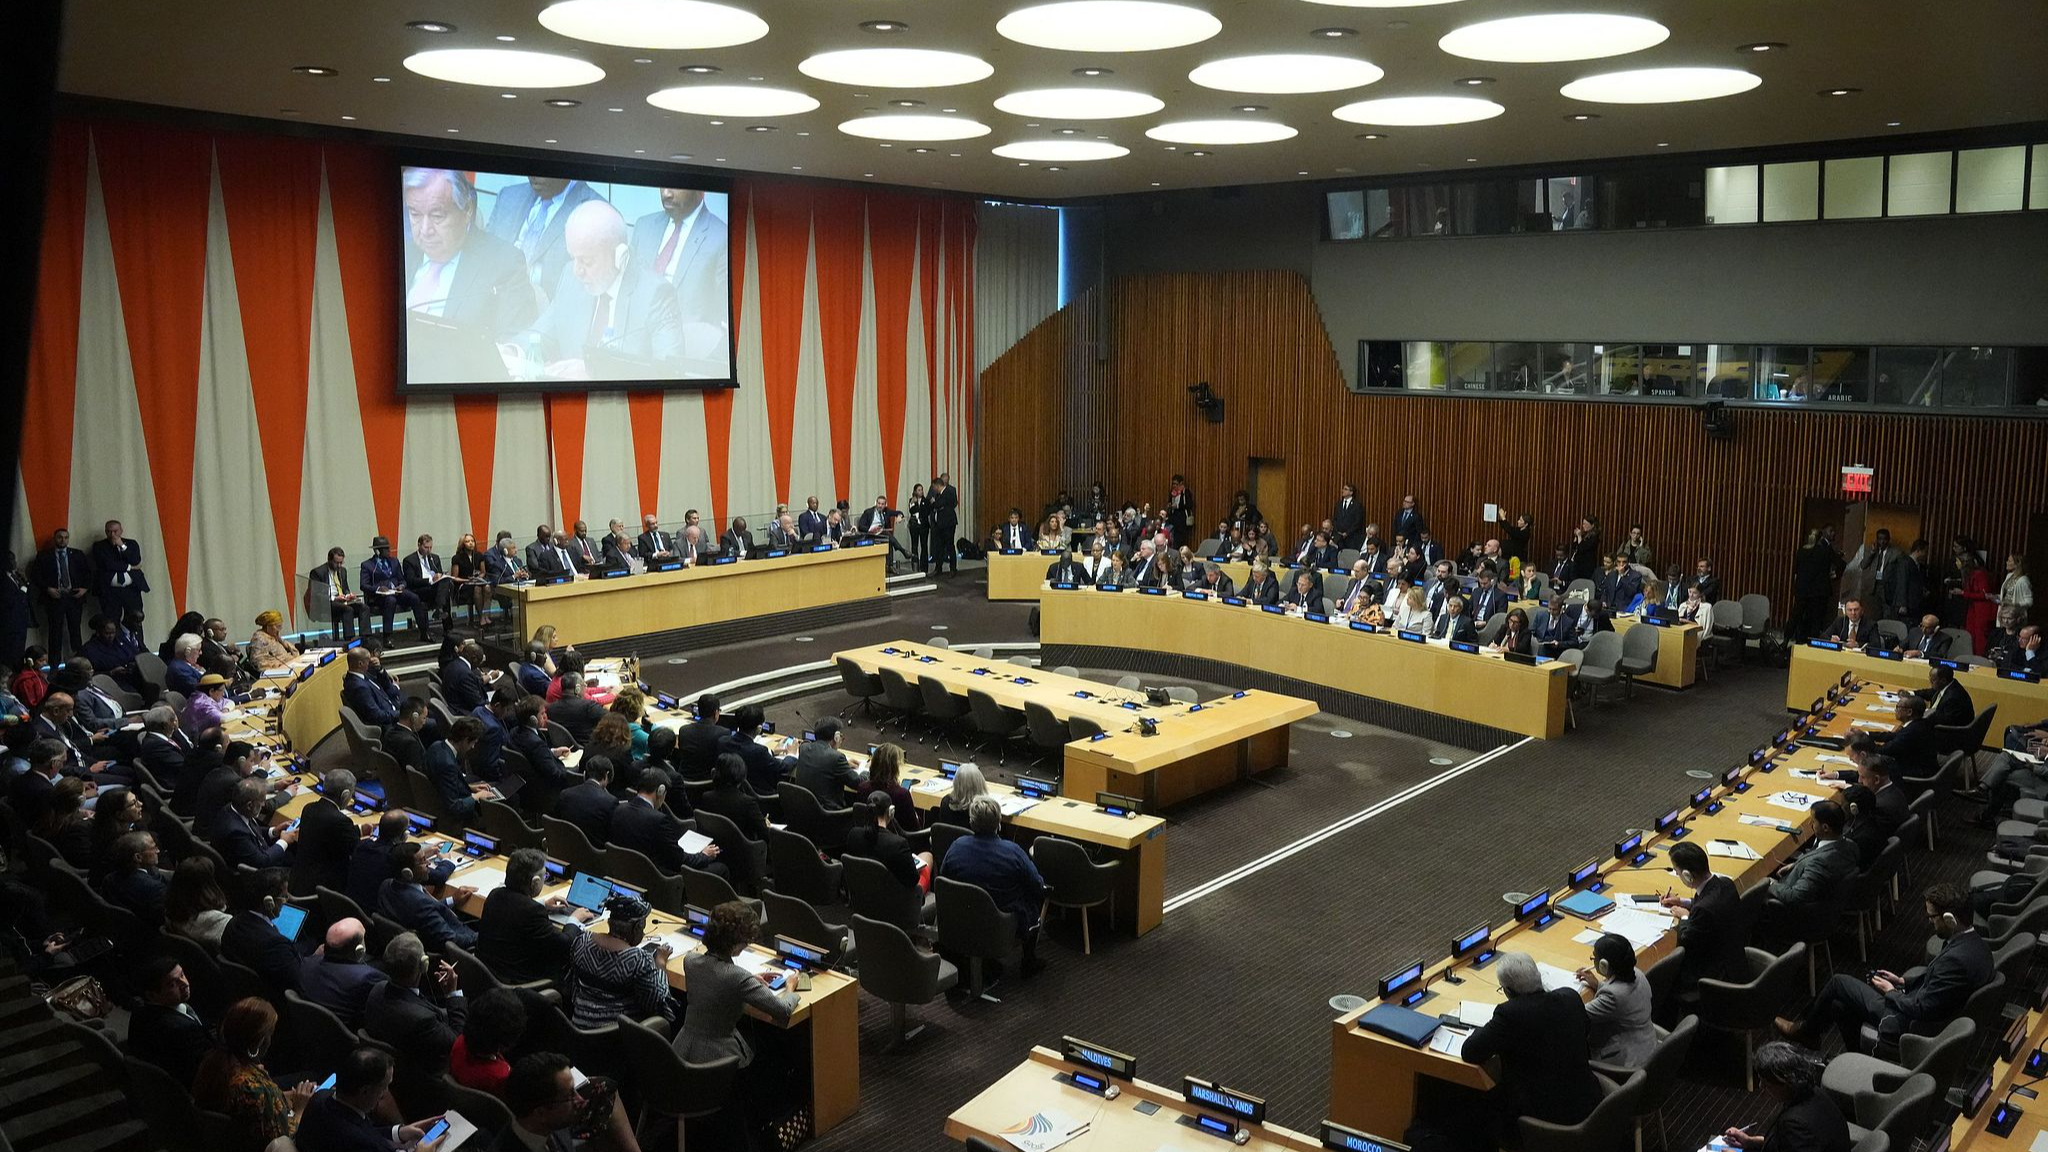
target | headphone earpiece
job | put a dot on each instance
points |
(1601, 967)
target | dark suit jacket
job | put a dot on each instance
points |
(650, 543)
(764, 768)
(1261, 592)
(1951, 707)
(240, 842)
(140, 891)
(29, 792)
(541, 760)
(1347, 520)
(1457, 627)
(588, 806)
(1811, 1123)
(164, 759)
(1486, 603)
(1915, 746)
(420, 570)
(490, 292)
(421, 1026)
(1866, 632)
(169, 1039)
(367, 869)
(739, 806)
(737, 543)
(254, 941)
(1224, 585)
(1905, 588)
(327, 839)
(461, 684)
(374, 703)
(518, 942)
(1545, 1059)
(614, 551)
(645, 323)
(107, 563)
(1933, 647)
(445, 774)
(551, 254)
(1014, 536)
(1066, 570)
(42, 571)
(1713, 935)
(578, 717)
(651, 831)
(412, 906)
(403, 745)
(698, 744)
(343, 987)
(864, 839)
(825, 771)
(1961, 967)
(1618, 591)
(2018, 659)
(331, 1126)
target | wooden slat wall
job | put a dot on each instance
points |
(1054, 416)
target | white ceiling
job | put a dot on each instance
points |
(1929, 66)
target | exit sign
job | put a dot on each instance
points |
(1856, 479)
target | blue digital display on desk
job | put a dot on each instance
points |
(797, 953)
(1152, 591)
(1234, 601)
(1700, 798)
(1882, 654)
(1196, 595)
(1064, 585)
(1249, 1109)
(1035, 788)
(1830, 645)
(1582, 873)
(821, 547)
(1532, 905)
(1628, 846)
(1471, 941)
(1118, 1064)
(1733, 774)
(556, 869)
(1315, 617)
(1393, 982)
(949, 768)
(1089, 1082)
(419, 822)
(1664, 822)
(1275, 609)
(478, 844)
(1345, 1139)
(1412, 637)
(2017, 674)
(1362, 626)
(776, 553)
(1015, 552)
(1109, 588)
(1951, 665)
(1216, 1127)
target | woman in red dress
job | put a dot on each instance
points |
(1980, 602)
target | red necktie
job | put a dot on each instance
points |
(668, 249)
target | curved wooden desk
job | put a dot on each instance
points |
(587, 611)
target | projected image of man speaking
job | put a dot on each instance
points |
(609, 318)
(459, 274)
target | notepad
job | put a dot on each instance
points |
(1555, 977)
(1796, 801)
(1885, 708)
(1872, 725)
(1011, 805)
(1476, 1013)
(1766, 821)
(1831, 758)
(1732, 849)
(693, 842)
(1449, 1041)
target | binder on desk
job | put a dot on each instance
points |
(1586, 905)
(1397, 1023)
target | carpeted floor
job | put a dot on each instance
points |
(1234, 985)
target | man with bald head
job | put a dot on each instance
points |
(611, 318)
(685, 244)
(340, 977)
(454, 270)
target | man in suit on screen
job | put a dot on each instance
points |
(532, 215)
(685, 244)
(610, 318)
(455, 271)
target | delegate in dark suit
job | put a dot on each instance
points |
(1950, 705)
(538, 238)
(117, 578)
(421, 1027)
(490, 291)
(375, 702)
(332, 1126)
(252, 940)
(1260, 589)
(1915, 746)
(1066, 570)
(652, 832)
(341, 984)
(1813, 882)
(1852, 633)
(1619, 589)
(461, 684)
(1347, 520)
(698, 743)
(696, 269)
(518, 941)
(170, 1039)
(444, 772)
(1455, 627)
(240, 840)
(1929, 645)
(327, 839)
(826, 772)
(436, 924)
(60, 578)
(643, 324)
(1811, 1122)
(1713, 935)
(764, 768)
(1923, 1005)
(1545, 1060)
(588, 806)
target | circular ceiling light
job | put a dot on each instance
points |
(1078, 103)
(1554, 36)
(1838, 91)
(504, 68)
(1762, 46)
(700, 69)
(1419, 111)
(732, 100)
(1661, 85)
(1065, 151)
(666, 24)
(1221, 132)
(1381, 3)
(1286, 72)
(1108, 25)
(896, 67)
(315, 70)
(1093, 71)
(914, 127)
(884, 26)
(561, 102)
(1334, 33)
(441, 27)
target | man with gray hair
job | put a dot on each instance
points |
(1000, 868)
(419, 1008)
(1540, 1039)
(457, 273)
(327, 835)
(161, 748)
(609, 317)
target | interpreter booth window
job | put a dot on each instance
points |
(1658, 370)
(1977, 377)
(1792, 191)
(1567, 369)
(1991, 179)
(2037, 178)
(1906, 377)
(1854, 188)
(1724, 370)
(1516, 366)
(1781, 374)
(1840, 375)
(1916, 184)
(1731, 194)
(1423, 365)
(1346, 215)
(1468, 365)
(1571, 203)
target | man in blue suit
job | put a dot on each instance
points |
(533, 217)
(462, 680)
(1619, 585)
(382, 580)
(340, 977)
(685, 244)
(369, 690)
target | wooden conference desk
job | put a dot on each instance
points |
(1969, 1135)
(831, 1008)
(1678, 651)
(1030, 1090)
(311, 708)
(1479, 688)
(586, 611)
(1815, 670)
(1018, 577)
(1198, 748)
(1373, 1080)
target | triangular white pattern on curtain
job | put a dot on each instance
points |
(522, 471)
(610, 485)
(750, 468)
(335, 509)
(867, 472)
(685, 467)
(433, 496)
(916, 466)
(22, 540)
(113, 481)
(810, 448)
(232, 573)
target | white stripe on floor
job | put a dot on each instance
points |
(1348, 822)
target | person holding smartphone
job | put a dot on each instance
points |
(338, 1119)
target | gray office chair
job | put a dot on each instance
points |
(1876, 1141)
(1900, 1113)
(709, 890)
(1490, 631)
(1748, 1007)
(1067, 670)
(1660, 1076)
(503, 823)
(1209, 546)
(796, 868)
(972, 926)
(1606, 1127)
(663, 891)
(1346, 557)
(1579, 591)
(799, 920)
(802, 811)
(943, 834)
(1024, 661)
(1335, 586)
(151, 668)
(902, 696)
(669, 1086)
(1081, 728)
(1940, 1056)
(893, 969)
(1129, 682)
(315, 1033)
(478, 978)
(1893, 632)
(872, 892)
(566, 841)
(1182, 694)
(129, 701)
(1601, 664)
(1638, 655)
(748, 859)
(1537, 586)
(1960, 642)
(936, 642)
(1072, 880)
(426, 798)
(1756, 616)
(483, 1109)
(996, 723)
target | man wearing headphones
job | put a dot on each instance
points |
(327, 837)
(340, 976)
(642, 824)
(1896, 1005)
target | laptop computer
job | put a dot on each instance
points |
(585, 891)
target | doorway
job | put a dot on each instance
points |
(1268, 489)
(1856, 523)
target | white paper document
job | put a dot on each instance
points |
(1589, 936)
(1872, 725)
(1449, 1041)
(1766, 822)
(1014, 804)
(1732, 849)
(1555, 977)
(459, 1130)
(2040, 1143)
(1804, 773)
(693, 842)
(1884, 708)
(1831, 758)
(1475, 1012)
(1490, 514)
(1641, 926)
(1796, 801)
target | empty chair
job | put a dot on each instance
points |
(942, 707)
(1940, 1056)
(1638, 655)
(798, 920)
(502, 822)
(397, 786)
(972, 926)
(566, 841)
(1067, 670)
(994, 722)
(1081, 728)
(1182, 694)
(1048, 734)
(1747, 1007)
(483, 1109)
(872, 892)
(1129, 683)
(1900, 1113)
(709, 890)
(893, 969)
(669, 1086)
(938, 642)
(1024, 661)
(1601, 664)
(425, 797)
(902, 695)
(1579, 591)
(748, 859)
(1960, 643)
(943, 835)
(663, 891)
(1756, 616)
(313, 1034)
(1660, 1075)
(150, 667)
(1072, 880)
(860, 684)
(827, 827)
(799, 870)
(1209, 546)
(1606, 1127)
(129, 701)
(1490, 631)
